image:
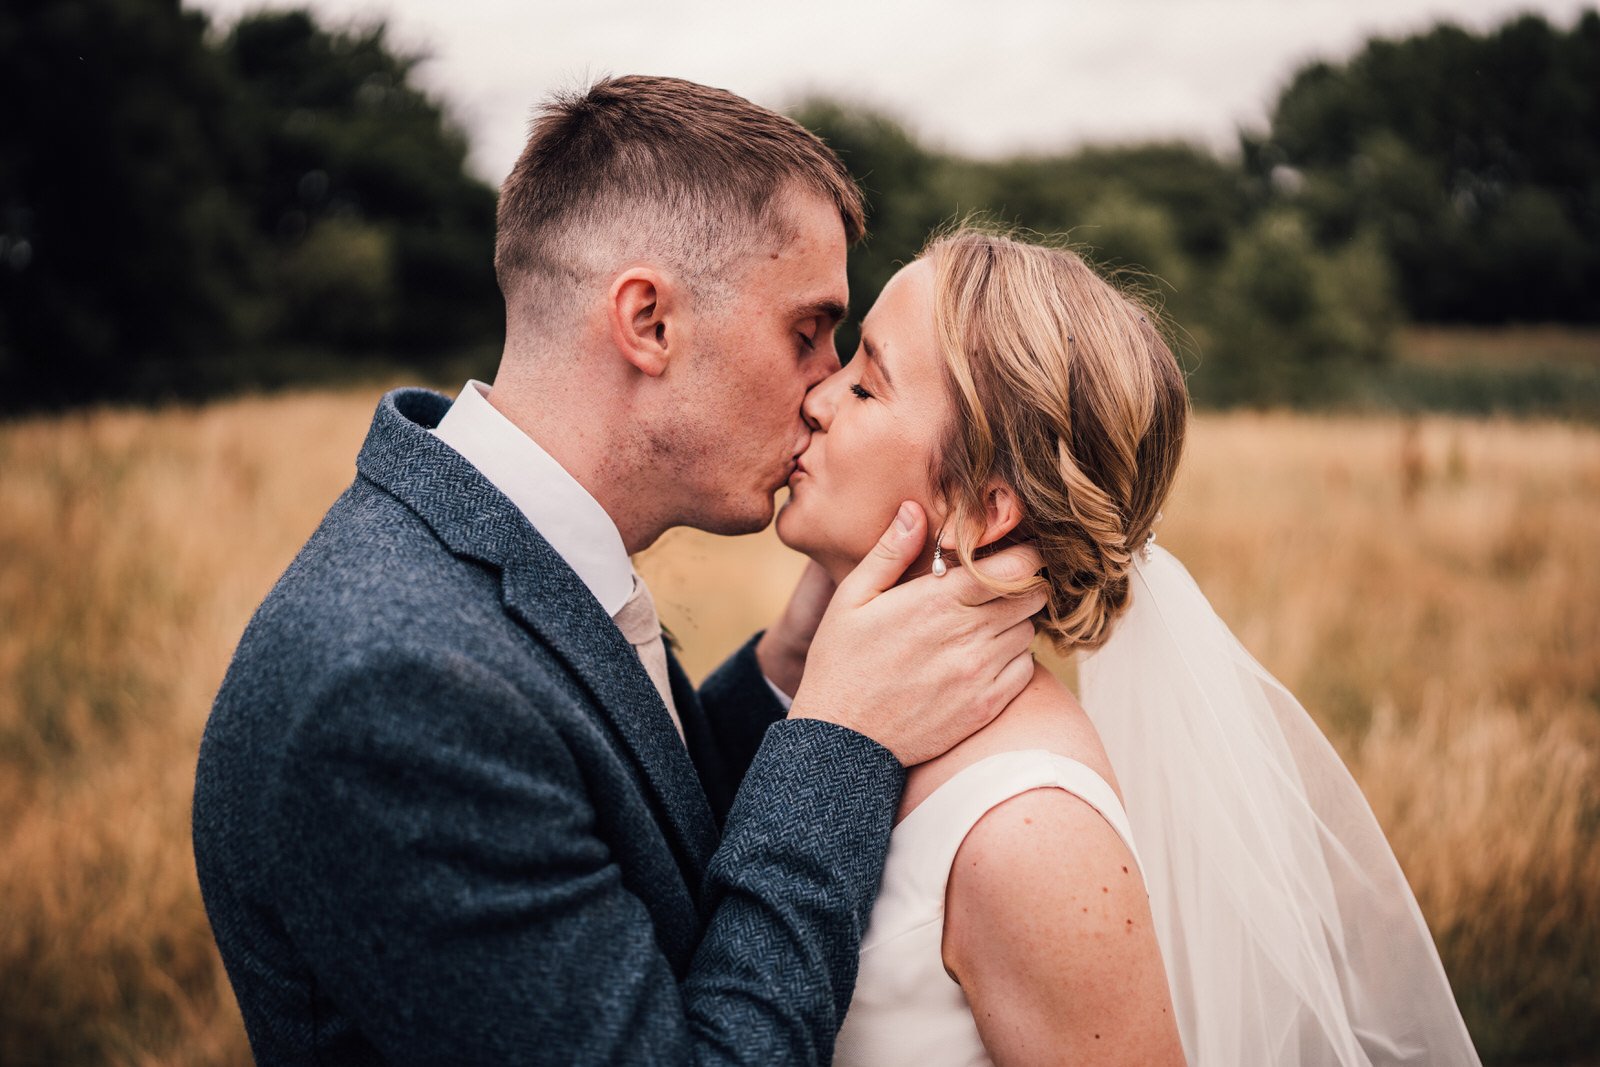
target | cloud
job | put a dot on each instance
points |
(988, 79)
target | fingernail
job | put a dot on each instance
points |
(905, 519)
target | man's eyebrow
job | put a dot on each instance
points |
(830, 310)
(876, 357)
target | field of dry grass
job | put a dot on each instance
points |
(1429, 589)
(1502, 345)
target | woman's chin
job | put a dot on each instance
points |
(790, 526)
(795, 528)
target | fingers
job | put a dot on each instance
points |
(889, 558)
(995, 612)
(1012, 611)
(1017, 640)
(1010, 565)
(1013, 677)
(1011, 680)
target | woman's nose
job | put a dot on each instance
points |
(818, 406)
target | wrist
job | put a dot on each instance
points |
(782, 660)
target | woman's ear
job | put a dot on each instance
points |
(638, 307)
(1002, 511)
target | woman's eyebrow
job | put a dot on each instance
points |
(876, 356)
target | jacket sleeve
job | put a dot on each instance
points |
(739, 705)
(444, 879)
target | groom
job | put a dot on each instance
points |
(456, 802)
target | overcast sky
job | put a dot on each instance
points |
(985, 77)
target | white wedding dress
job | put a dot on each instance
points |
(907, 1010)
(1288, 931)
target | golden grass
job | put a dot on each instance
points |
(1430, 591)
(1556, 345)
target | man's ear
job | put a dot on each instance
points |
(638, 306)
(1002, 511)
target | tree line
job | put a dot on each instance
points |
(1448, 177)
(186, 211)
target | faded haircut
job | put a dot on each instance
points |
(659, 169)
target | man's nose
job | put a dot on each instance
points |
(824, 362)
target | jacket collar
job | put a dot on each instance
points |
(476, 521)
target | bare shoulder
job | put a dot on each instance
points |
(1046, 860)
(1047, 923)
(1049, 932)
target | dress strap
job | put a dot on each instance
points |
(934, 830)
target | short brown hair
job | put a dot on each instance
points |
(1066, 391)
(694, 169)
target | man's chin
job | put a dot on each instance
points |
(753, 520)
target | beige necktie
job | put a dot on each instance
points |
(639, 623)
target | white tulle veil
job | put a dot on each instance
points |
(1289, 932)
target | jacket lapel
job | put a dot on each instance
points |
(542, 593)
(547, 597)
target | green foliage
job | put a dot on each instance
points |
(1206, 197)
(1475, 159)
(900, 183)
(340, 283)
(1550, 372)
(176, 209)
(183, 212)
(1291, 324)
(1538, 389)
(1446, 177)
(125, 254)
(348, 148)
(1264, 312)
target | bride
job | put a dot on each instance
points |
(1178, 869)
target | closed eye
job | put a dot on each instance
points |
(860, 393)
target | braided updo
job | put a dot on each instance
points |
(1066, 392)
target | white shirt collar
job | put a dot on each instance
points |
(574, 523)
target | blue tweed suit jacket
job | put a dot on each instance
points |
(442, 816)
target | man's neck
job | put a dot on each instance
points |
(591, 446)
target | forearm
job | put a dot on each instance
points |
(464, 902)
(794, 881)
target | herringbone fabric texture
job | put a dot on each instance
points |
(442, 817)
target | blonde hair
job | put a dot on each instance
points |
(1067, 393)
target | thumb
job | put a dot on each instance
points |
(889, 558)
